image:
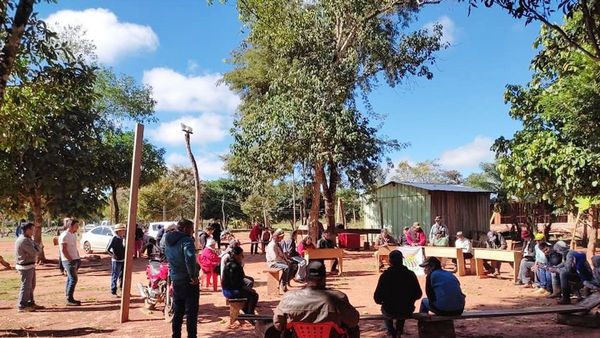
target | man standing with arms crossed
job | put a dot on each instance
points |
(183, 271)
(67, 243)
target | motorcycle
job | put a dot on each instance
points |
(159, 289)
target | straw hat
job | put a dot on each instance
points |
(120, 226)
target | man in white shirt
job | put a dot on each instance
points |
(276, 259)
(465, 244)
(67, 243)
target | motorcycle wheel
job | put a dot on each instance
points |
(168, 302)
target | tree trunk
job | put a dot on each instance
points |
(329, 193)
(313, 228)
(116, 212)
(198, 204)
(593, 236)
(38, 219)
(12, 42)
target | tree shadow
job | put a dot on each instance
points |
(83, 331)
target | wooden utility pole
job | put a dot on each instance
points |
(294, 202)
(187, 130)
(132, 220)
(223, 211)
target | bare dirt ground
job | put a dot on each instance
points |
(99, 314)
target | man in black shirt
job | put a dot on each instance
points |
(116, 248)
(233, 281)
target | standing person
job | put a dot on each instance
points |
(183, 271)
(207, 234)
(139, 241)
(26, 251)
(416, 235)
(255, 238)
(316, 304)
(438, 235)
(397, 291)
(265, 238)
(59, 230)
(276, 259)
(67, 242)
(327, 243)
(234, 281)
(209, 262)
(217, 229)
(19, 228)
(116, 249)
(444, 296)
(495, 240)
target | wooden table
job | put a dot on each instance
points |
(448, 252)
(334, 253)
(511, 256)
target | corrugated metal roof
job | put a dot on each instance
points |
(439, 187)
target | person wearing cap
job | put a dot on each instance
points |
(116, 249)
(180, 251)
(465, 245)
(574, 269)
(444, 296)
(397, 291)
(416, 235)
(328, 243)
(316, 304)
(495, 240)
(276, 259)
(438, 235)
(528, 260)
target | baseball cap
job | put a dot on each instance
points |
(315, 270)
(431, 261)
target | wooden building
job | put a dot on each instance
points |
(398, 204)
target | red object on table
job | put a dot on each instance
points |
(349, 240)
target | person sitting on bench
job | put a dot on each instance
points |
(327, 243)
(317, 304)
(494, 241)
(594, 284)
(463, 243)
(397, 291)
(416, 236)
(444, 296)
(574, 269)
(290, 250)
(276, 259)
(235, 283)
(528, 260)
(386, 238)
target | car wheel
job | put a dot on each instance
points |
(87, 247)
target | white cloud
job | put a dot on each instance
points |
(176, 92)
(113, 39)
(207, 128)
(469, 155)
(208, 166)
(448, 28)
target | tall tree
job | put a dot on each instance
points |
(170, 197)
(426, 172)
(555, 157)
(299, 72)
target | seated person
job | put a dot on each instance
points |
(574, 269)
(528, 260)
(206, 235)
(234, 281)
(594, 283)
(276, 259)
(495, 240)
(404, 236)
(316, 304)
(397, 291)
(305, 243)
(444, 296)
(290, 250)
(385, 238)
(544, 276)
(463, 243)
(226, 254)
(416, 236)
(327, 243)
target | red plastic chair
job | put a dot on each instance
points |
(315, 330)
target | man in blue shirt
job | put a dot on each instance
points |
(444, 296)
(183, 271)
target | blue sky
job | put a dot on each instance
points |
(179, 47)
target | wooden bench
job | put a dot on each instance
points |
(334, 253)
(273, 277)
(382, 255)
(481, 255)
(235, 306)
(448, 252)
(434, 326)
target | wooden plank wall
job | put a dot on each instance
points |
(466, 212)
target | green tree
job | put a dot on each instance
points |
(299, 72)
(170, 197)
(222, 196)
(555, 157)
(426, 172)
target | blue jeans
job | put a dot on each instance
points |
(249, 294)
(426, 306)
(185, 301)
(288, 272)
(544, 278)
(71, 267)
(116, 274)
(27, 287)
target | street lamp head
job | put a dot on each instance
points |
(187, 129)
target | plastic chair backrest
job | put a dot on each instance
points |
(315, 330)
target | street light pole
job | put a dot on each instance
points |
(187, 130)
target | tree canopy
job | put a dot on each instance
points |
(426, 172)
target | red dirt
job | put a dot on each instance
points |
(99, 314)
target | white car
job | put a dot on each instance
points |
(155, 226)
(96, 239)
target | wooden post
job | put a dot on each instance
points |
(381, 214)
(131, 220)
(293, 201)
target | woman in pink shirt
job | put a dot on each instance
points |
(416, 236)
(209, 262)
(304, 244)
